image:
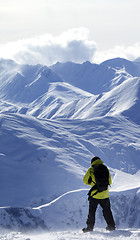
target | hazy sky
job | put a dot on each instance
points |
(103, 28)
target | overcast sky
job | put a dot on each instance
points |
(69, 30)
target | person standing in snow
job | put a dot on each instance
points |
(98, 197)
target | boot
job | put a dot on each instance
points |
(110, 228)
(87, 229)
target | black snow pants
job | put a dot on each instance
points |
(107, 213)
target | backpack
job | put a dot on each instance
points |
(101, 174)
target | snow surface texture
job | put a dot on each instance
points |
(53, 120)
(98, 234)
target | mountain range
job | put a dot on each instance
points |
(53, 120)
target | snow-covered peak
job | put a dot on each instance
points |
(92, 78)
(121, 63)
(25, 83)
(97, 78)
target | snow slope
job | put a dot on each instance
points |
(53, 120)
(24, 83)
(38, 147)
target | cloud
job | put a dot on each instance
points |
(72, 45)
(131, 53)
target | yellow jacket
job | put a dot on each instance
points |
(89, 173)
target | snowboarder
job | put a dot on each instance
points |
(98, 195)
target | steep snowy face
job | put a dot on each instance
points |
(133, 112)
(25, 83)
(92, 78)
(118, 100)
(96, 78)
(61, 101)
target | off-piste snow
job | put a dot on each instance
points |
(97, 234)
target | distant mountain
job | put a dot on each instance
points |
(24, 83)
(129, 67)
(51, 93)
(97, 78)
(89, 77)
